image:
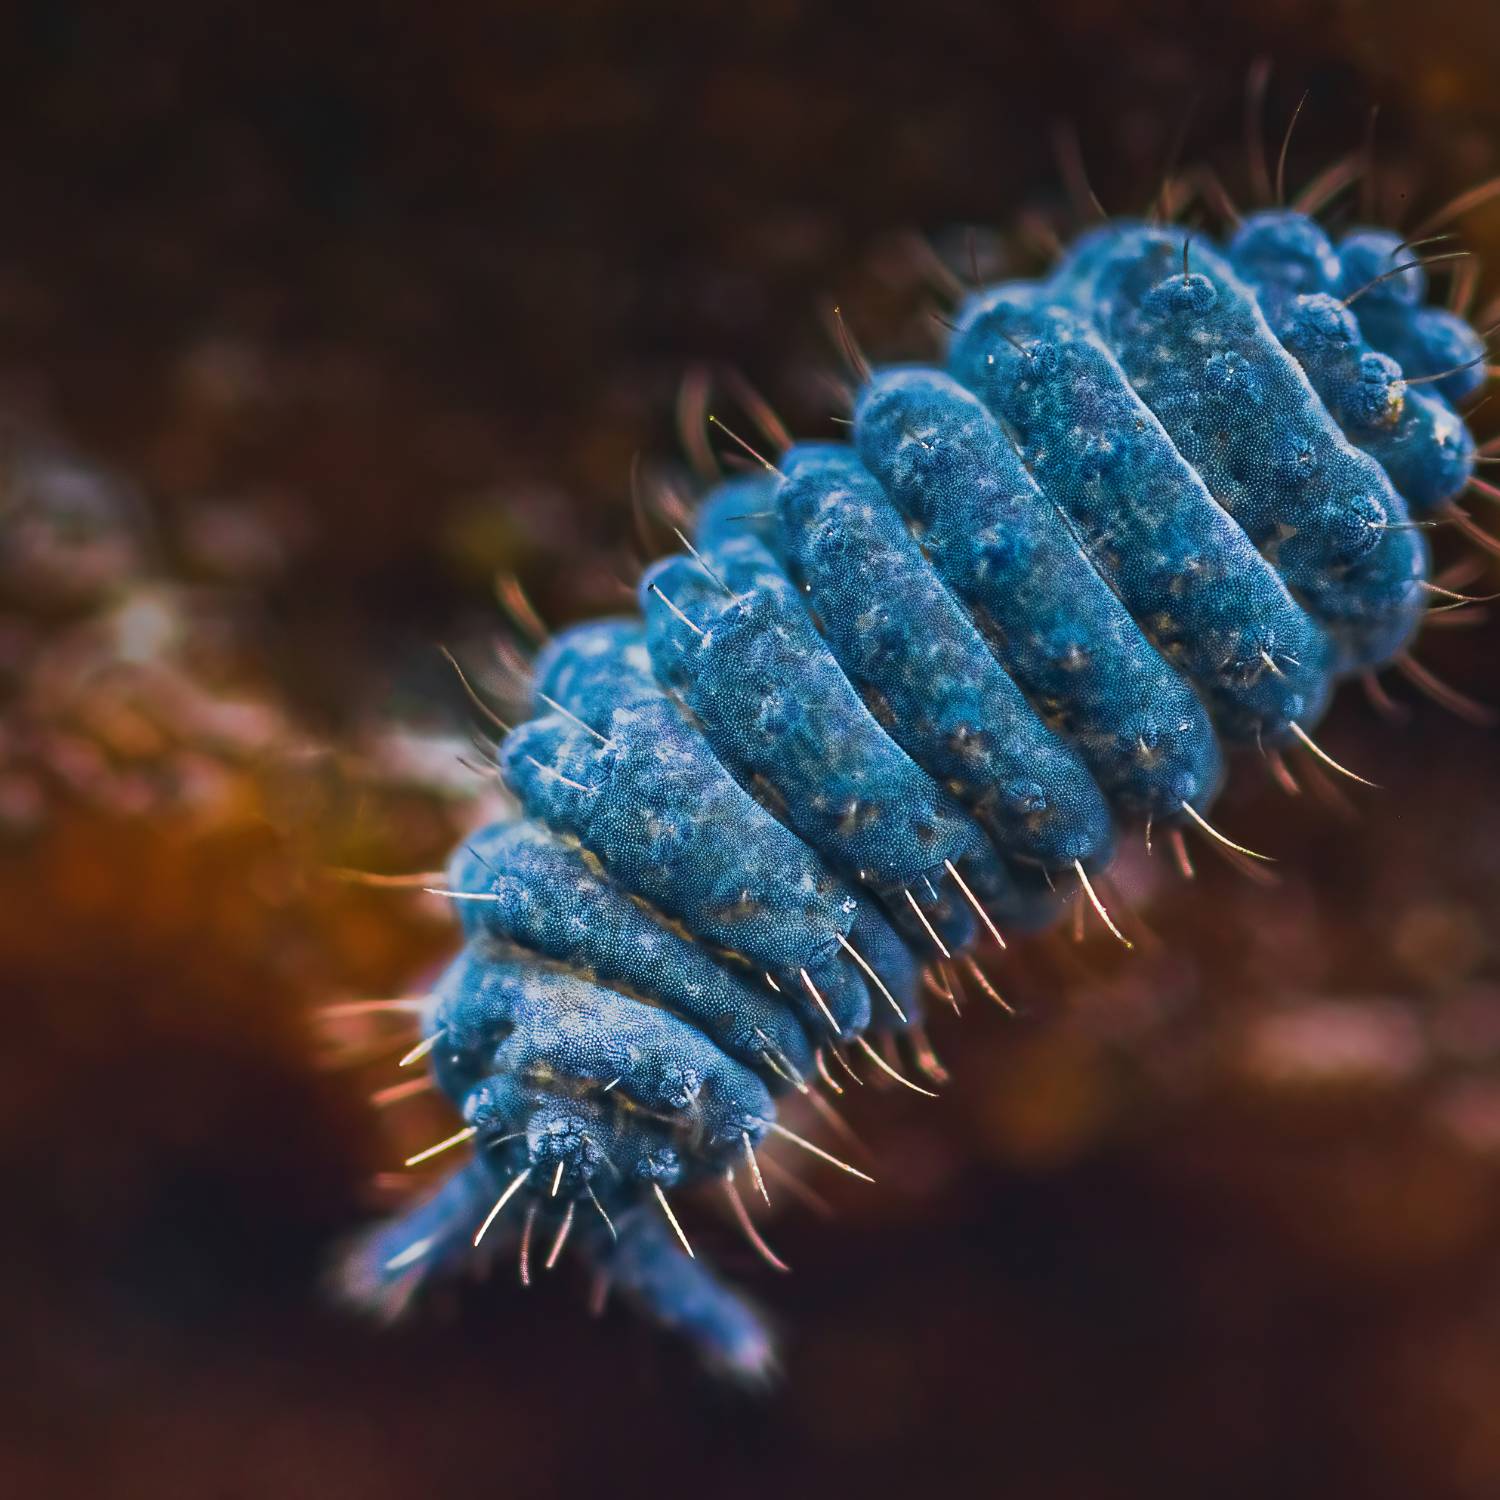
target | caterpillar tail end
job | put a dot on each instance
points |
(381, 1273)
(649, 1269)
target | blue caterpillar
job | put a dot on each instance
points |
(907, 690)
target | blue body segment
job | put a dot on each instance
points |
(547, 898)
(1424, 340)
(755, 674)
(1185, 570)
(1415, 436)
(935, 687)
(654, 813)
(1432, 345)
(772, 700)
(675, 819)
(1379, 270)
(1199, 352)
(533, 1020)
(1283, 254)
(754, 509)
(669, 824)
(595, 668)
(1000, 545)
(578, 1092)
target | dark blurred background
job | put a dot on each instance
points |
(313, 318)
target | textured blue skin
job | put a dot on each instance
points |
(740, 507)
(774, 705)
(1029, 602)
(997, 542)
(1286, 254)
(940, 692)
(893, 958)
(548, 900)
(1424, 340)
(667, 822)
(506, 1012)
(1364, 256)
(1434, 341)
(1210, 603)
(1300, 280)
(1057, 812)
(677, 829)
(1199, 352)
(1415, 437)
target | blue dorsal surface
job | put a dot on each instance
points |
(998, 541)
(1386, 282)
(638, 787)
(1185, 570)
(734, 640)
(1301, 282)
(534, 1020)
(546, 896)
(903, 693)
(1199, 352)
(908, 644)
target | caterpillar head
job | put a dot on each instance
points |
(559, 1134)
(571, 1140)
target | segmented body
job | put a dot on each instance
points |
(1154, 508)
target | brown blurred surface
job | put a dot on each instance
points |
(413, 285)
